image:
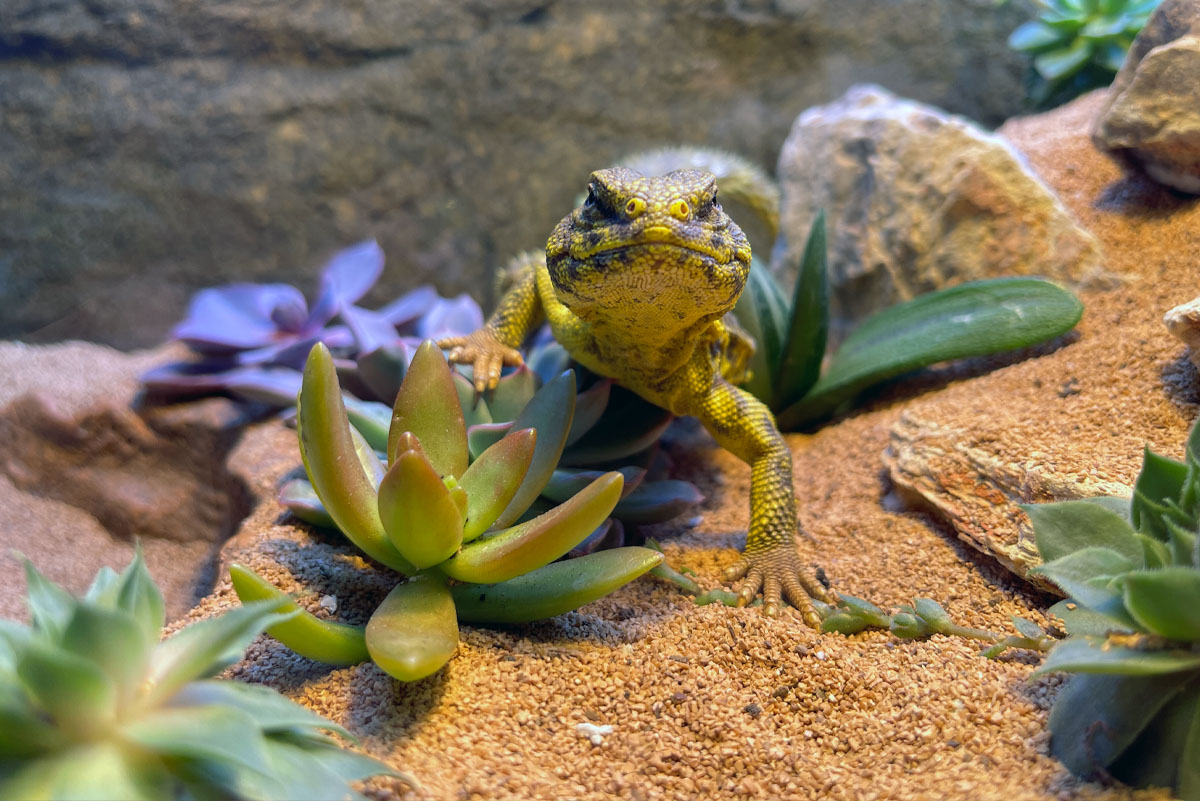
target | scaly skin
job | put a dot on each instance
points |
(635, 283)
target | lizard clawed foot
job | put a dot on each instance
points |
(486, 355)
(778, 573)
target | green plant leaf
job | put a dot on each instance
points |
(427, 405)
(414, 632)
(1157, 755)
(1088, 655)
(566, 482)
(1160, 478)
(548, 360)
(494, 478)
(299, 497)
(1102, 28)
(511, 552)
(1063, 528)
(50, 606)
(418, 511)
(973, 319)
(474, 407)
(1165, 601)
(218, 733)
(554, 589)
(1154, 553)
(550, 412)
(100, 771)
(865, 609)
(1188, 783)
(844, 623)
(589, 408)
(1117, 505)
(657, 502)
(204, 648)
(933, 614)
(1085, 574)
(271, 711)
(24, 729)
(629, 425)
(1181, 543)
(308, 635)
(1062, 62)
(803, 350)
(138, 595)
(1033, 36)
(370, 419)
(309, 773)
(762, 310)
(112, 640)
(1096, 717)
(330, 457)
(512, 393)
(1080, 620)
(482, 436)
(73, 690)
(1026, 627)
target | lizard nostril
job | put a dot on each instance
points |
(634, 208)
(679, 209)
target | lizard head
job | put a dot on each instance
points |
(649, 251)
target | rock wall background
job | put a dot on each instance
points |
(152, 147)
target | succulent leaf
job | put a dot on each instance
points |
(657, 501)
(320, 640)
(1165, 601)
(482, 436)
(511, 394)
(1093, 655)
(628, 426)
(1086, 574)
(1080, 620)
(589, 408)
(418, 511)
(271, 711)
(215, 733)
(427, 405)
(138, 595)
(301, 500)
(329, 452)
(513, 551)
(414, 632)
(566, 482)
(493, 478)
(50, 606)
(74, 691)
(100, 771)
(550, 411)
(370, 419)
(113, 641)
(382, 371)
(803, 349)
(1061, 529)
(763, 311)
(554, 589)
(1156, 756)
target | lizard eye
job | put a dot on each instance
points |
(590, 202)
(715, 204)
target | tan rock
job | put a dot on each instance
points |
(1183, 321)
(1152, 121)
(918, 200)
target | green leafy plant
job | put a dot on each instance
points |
(1078, 45)
(973, 319)
(450, 515)
(1131, 569)
(93, 706)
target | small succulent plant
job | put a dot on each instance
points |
(450, 515)
(94, 706)
(974, 319)
(252, 339)
(1131, 569)
(1078, 45)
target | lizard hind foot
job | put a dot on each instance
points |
(778, 574)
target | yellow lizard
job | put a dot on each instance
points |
(635, 284)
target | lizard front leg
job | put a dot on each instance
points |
(494, 346)
(771, 563)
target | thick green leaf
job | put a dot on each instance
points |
(24, 729)
(657, 502)
(414, 631)
(974, 319)
(1026, 627)
(1165, 601)
(482, 436)
(511, 394)
(308, 635)
(333, 463)
(1063, 528)
(299, 497)
(1104, 27)
(1096, 717)
(1080, 620)
(1160, 477)
(864, 609)
(1154, 553)
(493, 479)
(1188, 783)
(933, 614)
(1061, 62)
(73, 690)
(566, 482)
(1088, 655)
(1155, 757)
(554, 589)
(629, 425)
(100, 771)
(526, 546)
(474, 407)
(382, 370)
(844, 623)
(370, 419)
(589, 408)
(1085, 574)
(808, 325)
(103, 589)
(1181, 543)
(313, 773)
(418, 511)
(113, 641)
(762, 310)
(550, 412)
(271, 711)
(138, 595)
(219, 733)
(427, 405)
(1033, 35)
(548, 360)
(205, 648)
(1117, 505)
(50, 606)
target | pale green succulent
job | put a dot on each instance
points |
(93, 706)
(455, 525)
(1132, 570)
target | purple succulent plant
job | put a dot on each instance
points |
(252, 339)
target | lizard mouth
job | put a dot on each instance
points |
(718, 255)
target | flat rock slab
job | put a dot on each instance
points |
(1071, 424)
